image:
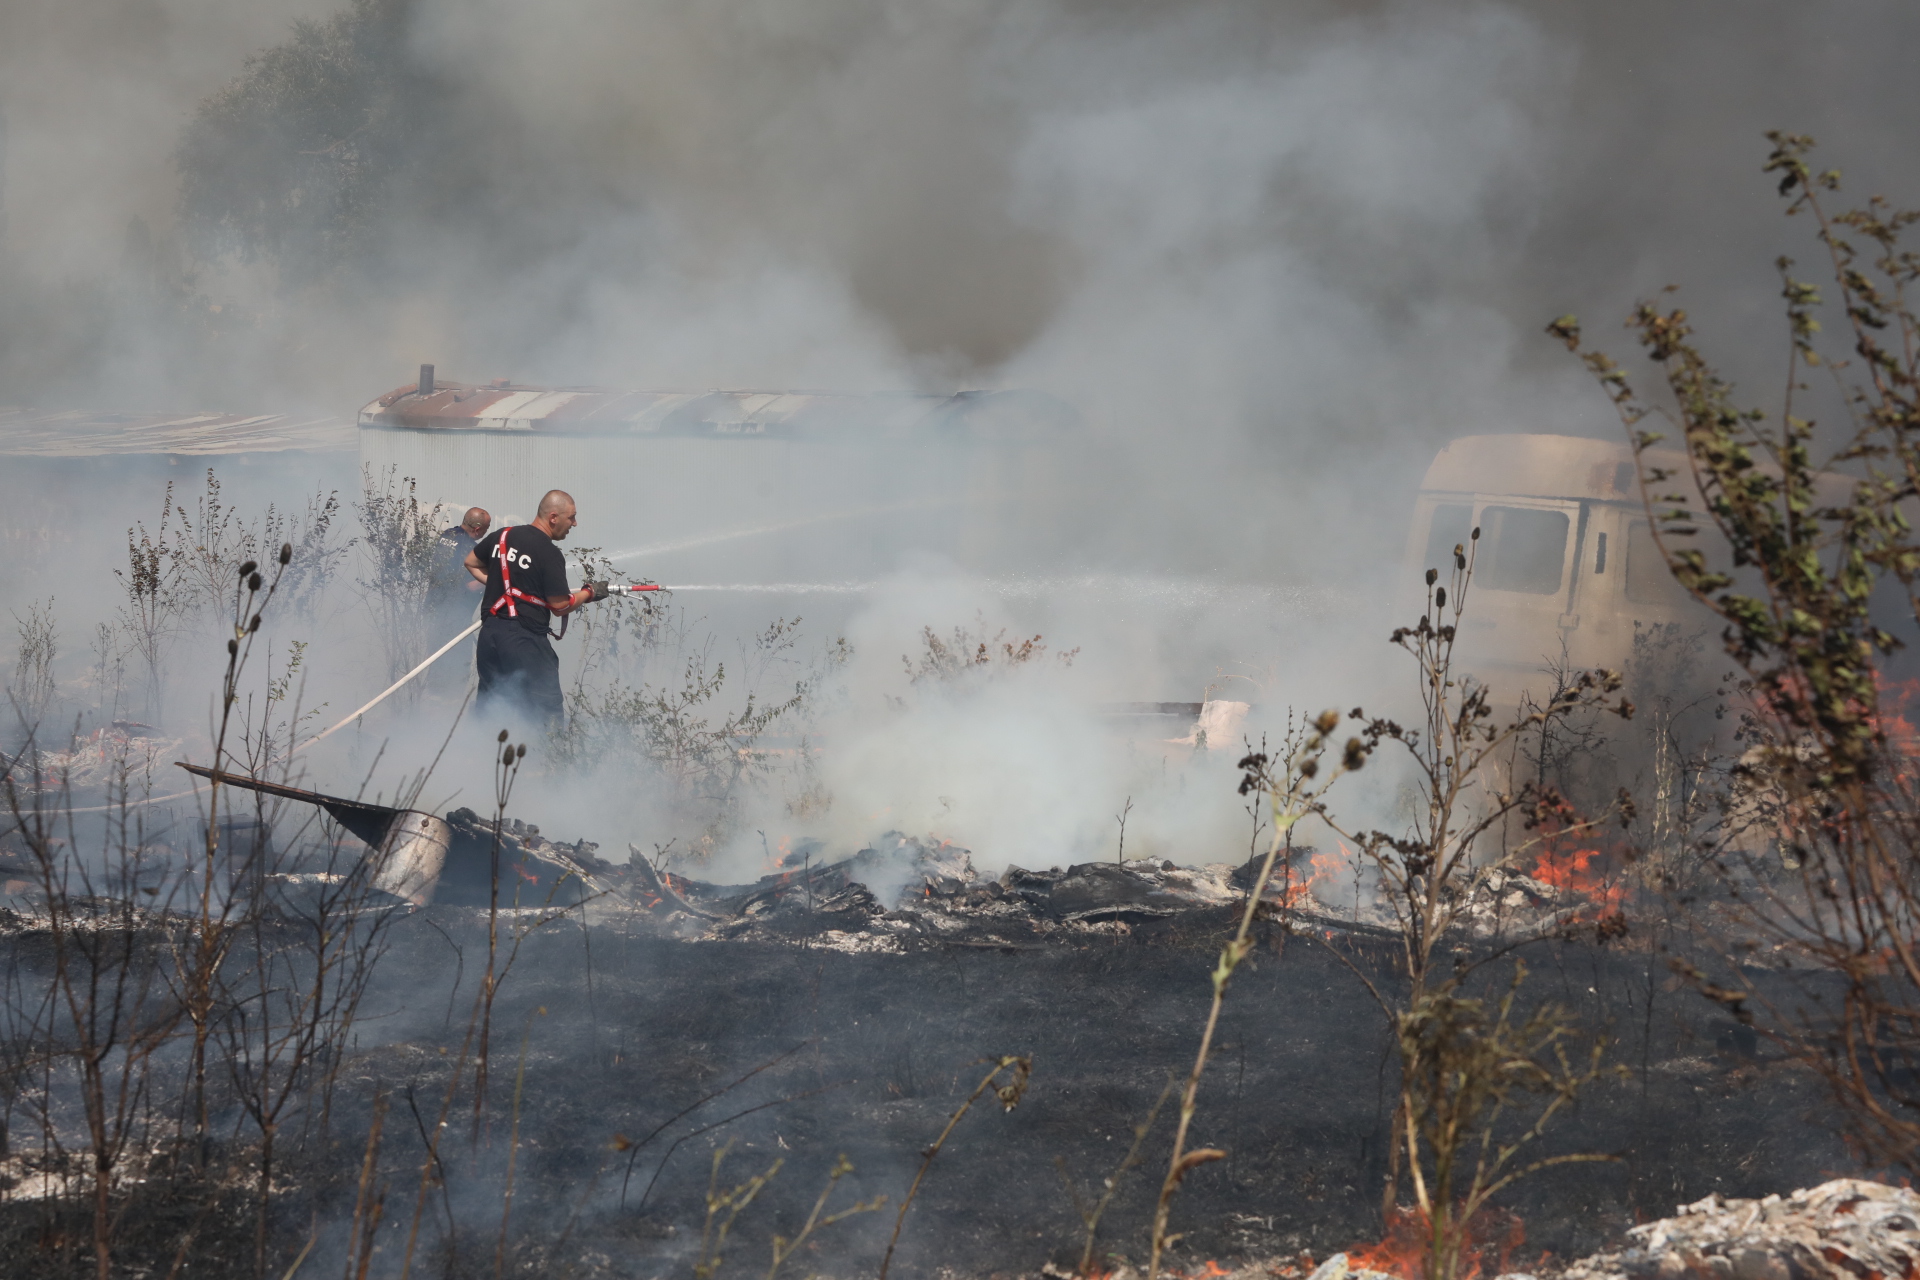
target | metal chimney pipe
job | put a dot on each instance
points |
(426, 379)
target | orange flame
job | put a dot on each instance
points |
(1299, 893)
(1895, 715)
(1490, 1240)
(1576, 873)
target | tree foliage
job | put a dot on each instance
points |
(1808, 528)
(295, 160)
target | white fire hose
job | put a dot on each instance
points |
(432, 658)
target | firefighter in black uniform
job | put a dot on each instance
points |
(526, 587)
(452, 595)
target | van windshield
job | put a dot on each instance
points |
(1525, 548)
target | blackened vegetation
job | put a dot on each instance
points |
(1299, 1095)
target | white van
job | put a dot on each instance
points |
(1566, 563)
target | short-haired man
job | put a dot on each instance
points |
(525, 579)
(452, 595)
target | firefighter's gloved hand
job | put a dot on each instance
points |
(597, 591)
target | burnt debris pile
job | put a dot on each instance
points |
(531, 870)
(902, 891)
(896, 893)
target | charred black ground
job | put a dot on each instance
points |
(626, 1026)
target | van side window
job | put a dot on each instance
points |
(1649, 581)
(1527, 548)
(1452, 523)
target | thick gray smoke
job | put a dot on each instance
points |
(1313, 210)
(1276, 255)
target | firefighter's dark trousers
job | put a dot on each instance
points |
(519, 673)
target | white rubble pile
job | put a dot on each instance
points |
(1846, 1229)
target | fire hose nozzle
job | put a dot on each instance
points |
(640, 586)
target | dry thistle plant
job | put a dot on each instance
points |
(126, 973)
(1462, 1070)
(475, 1044)
(200, 956)
(194, 1014)
(1456, 752)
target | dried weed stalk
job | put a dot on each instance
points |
(1018, 1071)
(101, 1023)
(724, 1207)
(784, 1248)
(201, 954)
(1294, 790)
(1464, 1068)
(975, 654)
(398, 538)
(150, 614)
(32, 685)
(1090, 1214)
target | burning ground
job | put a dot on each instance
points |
(845, 1010)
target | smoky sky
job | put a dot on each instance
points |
(1285, 235)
